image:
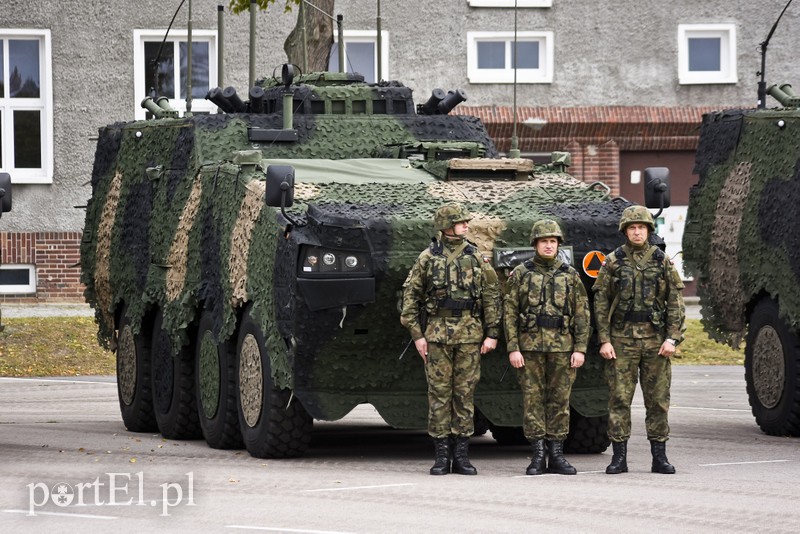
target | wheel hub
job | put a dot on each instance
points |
(126, 365)
(769, 368)
(251, 383)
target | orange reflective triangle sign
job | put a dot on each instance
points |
(592, 263)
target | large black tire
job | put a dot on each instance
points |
(508, 435)
(215, 384)
(771, 368)
(133, 377)
(587, 435)
(272, 427)
(174, 400)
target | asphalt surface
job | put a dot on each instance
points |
(63, 439)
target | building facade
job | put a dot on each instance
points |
(621, 85)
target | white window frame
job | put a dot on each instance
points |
(44, 104)
(510, 3)
(727, 35)
(9, 289)
(140, 71)
(369, 36)
(544, 74)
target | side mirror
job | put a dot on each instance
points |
(5, 192)
(280, 186)
(656, 188)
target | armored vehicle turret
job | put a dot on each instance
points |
(247, 266)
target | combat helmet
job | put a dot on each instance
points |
(546, 228)
(636, 214)
(447, 216)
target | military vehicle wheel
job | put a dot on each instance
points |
(133, 378)
(482, 424)
(272, 427)
(771, 369)
(508, 435)
(173, 387)
(587, 435)
(215, 383)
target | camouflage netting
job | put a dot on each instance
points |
(739, 240)
(178, 223)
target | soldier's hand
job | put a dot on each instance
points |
(607, 351)
(488, 345)
(576, 360)
(422, 348)
(515, 359)
(667, 349)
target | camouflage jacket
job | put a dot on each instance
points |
(638, 299)
(546, 308)
(460, 301)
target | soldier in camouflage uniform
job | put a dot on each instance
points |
(640, 319)
(455, 289)
(547, 322)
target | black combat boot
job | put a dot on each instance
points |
(442, 462)
(619, 462)
(556, 462)
(461, 463)
(660, 462)
(537, 466)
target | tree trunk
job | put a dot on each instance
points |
(319, 38)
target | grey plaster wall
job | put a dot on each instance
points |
(607, 52)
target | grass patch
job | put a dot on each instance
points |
(67, 346)
(698, 349)
(53, 346)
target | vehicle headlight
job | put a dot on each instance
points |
(323, 261)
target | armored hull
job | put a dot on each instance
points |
(243, 322)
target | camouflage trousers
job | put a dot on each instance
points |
(453, 372)
(546, 381)
(638, 358)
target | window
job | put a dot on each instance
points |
(26, 106)
(491, 57)
(171, 72)
(510, 3)
(17, 279)
(361, 54)
(707, 53)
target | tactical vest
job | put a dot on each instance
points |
(545, 298)
(639, 287)
(454, 290)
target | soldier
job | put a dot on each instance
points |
(456, 290)
(640, 319)
(547, 321)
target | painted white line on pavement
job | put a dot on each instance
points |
(64, 381)
(673, 407)
(747, 463)
(276, 529)
(554, 474)
(355, 488)
(61, 514)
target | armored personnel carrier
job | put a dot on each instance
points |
(741, 244)
(247, 266)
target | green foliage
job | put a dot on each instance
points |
(243, 6)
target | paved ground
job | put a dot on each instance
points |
(362, 476)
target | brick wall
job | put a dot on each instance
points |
(55, 255)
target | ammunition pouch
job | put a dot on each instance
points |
(550, 321)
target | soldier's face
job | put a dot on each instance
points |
(459, 229)
(637, 233)
(547, 247)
